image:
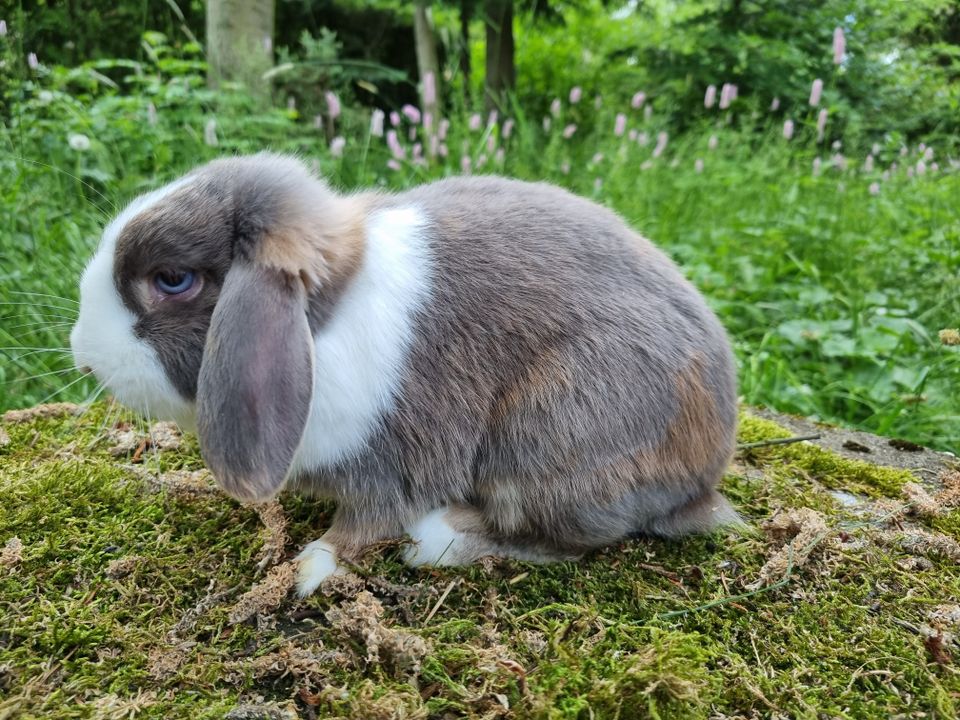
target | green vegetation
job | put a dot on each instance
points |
(98, 617)
(831, 256)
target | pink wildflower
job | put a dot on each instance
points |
(775, 104)
(333, 105)
(638, 99)
(713, 142)
(921, 167)
(726, 96)
(632, 135)
(475, 122)
(32, 61)
(412, 133)
(492, 118)
(710, 97)
(643, 139)
(620, 125)
(393, 165)
(393, 142)
(465, 164)
(507, 129)
(411, 113)
(491, 142)
(568, 131)
(698, 166)
(647, 112)
(788, 130)
(429, 89)
(821, 124)
(547, 123)
(839, 45)
(816, 91)
(337, 145)
(575, 94)
(597, 158)
(868, 164)
(442, 130)
(444, 150)
(555, 107)
(874, 188)
(427, 121)
(3, 28)
(395, 118)
(661, 145)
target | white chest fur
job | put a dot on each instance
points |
(359, 355)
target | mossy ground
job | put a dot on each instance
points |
(649, 628)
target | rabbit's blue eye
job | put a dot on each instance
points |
(174, 283)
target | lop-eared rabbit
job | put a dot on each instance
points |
(491, 367)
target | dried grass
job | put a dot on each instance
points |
(50, 410)
(266, 596)
(12, 553)
(805, 528)
(361, 620)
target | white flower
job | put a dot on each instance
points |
(78, 142)
(337, 145)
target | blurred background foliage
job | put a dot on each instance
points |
(826, 235)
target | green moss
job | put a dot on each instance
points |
(828, 468)
(649, 628)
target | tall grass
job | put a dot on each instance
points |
(833, 272)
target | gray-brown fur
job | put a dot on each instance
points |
(561, 357)
(566, 385)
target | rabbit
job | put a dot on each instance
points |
(488, 366)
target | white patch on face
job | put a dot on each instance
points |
(359, 354)
(315, 563)
(103, 337)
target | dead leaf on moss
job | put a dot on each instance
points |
(262, 711)
(50, 410)
(12, 553)
(265, 596)
(181, 484)
(121, 567)
(916, 540)
(921, 502)
(209, 601)
(313, 665)
(114, 707)
(360, 620)
(163, 662)
(162, 437)
(949, 496)
(806, 529)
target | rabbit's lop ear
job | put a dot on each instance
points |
(256, 380)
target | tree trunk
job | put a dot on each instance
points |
(240, 43)
(428, 68)
(466, 15)
(501, 73)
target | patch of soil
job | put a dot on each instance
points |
(856, 445)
